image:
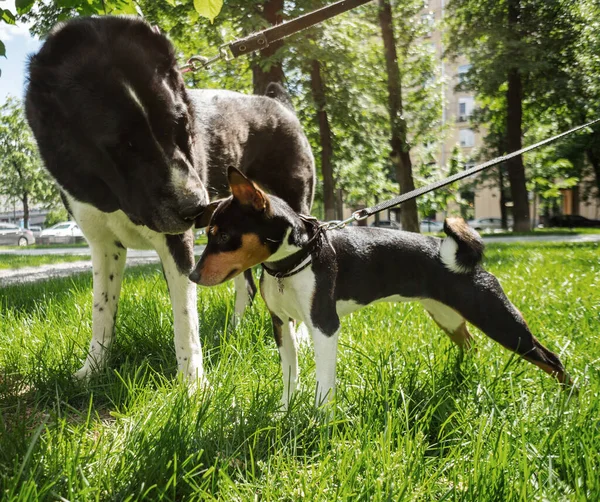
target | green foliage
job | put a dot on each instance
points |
(208, 8)
(21, 173)
(55, 216)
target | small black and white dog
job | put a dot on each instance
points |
(317, 277)
(136, 156)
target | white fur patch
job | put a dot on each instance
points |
(130, 90)
(448, 251)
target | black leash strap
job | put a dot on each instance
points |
(263, 38)
(364, 213)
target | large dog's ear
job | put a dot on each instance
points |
(246, 192)
(203, 220)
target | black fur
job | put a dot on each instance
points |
(365, 264)
(103, 149)
(470, 244)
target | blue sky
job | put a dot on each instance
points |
(19, 44)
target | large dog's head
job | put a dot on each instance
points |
(114, 124)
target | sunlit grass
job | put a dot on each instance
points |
(13, 261)
(414, 420)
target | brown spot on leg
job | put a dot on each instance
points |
(451, 322)
(459, 336)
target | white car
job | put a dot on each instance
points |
(64, 232)
(486, 224)
(431, 226)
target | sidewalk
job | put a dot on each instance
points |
(143, 257)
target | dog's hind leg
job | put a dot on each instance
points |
(450, 321)
(481, 300)
(108, 262)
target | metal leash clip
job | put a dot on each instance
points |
(198, 62)
(359, 215)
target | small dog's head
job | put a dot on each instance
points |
(243, 230)
(114, 124)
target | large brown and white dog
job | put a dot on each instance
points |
(136, 155)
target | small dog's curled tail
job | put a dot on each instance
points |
(462, 250)
(276, 91)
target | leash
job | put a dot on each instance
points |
(262, 39)
(362, 214)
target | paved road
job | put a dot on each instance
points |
(137, 257)
(148, 253)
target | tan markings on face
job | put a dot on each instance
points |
(219, 266)
(213, 230)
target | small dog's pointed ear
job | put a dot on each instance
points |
(246, 192)
(204, 219)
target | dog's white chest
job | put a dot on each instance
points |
(99, 226)
(291, 296)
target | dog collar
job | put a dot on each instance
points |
(298, 261)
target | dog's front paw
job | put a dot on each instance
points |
(84, 373)
(193, 374)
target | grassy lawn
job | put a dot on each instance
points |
(414, 419)
(49, 246)
(11, 261)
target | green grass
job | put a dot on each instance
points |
(544, 231)
(11, 261)
(414, 420)
(82, 244)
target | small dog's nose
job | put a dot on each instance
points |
(195, 276)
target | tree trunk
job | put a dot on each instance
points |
(514, 120)
(503, 215)
(400, 154)
(594, 158)
(261, 77)
(25, 201)
(318, 92)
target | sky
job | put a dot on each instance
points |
(19, 44)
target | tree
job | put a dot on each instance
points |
(518, 50)
(400, 154)
(21, 172)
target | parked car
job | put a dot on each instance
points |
(13, 235)
(35, 230)
(62, 233)
(486, 223)
(428, 225)
(387, 224)
(573, 220)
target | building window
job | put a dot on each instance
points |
(465, 108)
(428, 21)
(467, 138)
(462, 72)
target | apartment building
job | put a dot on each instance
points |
(458, 108)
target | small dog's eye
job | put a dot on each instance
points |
(222, 238)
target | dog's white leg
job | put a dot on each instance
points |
(183, 295)
(242, 298)
(450, 321)
(108, 262)
(288, 351)
(325, 360)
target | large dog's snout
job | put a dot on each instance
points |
(192, 209)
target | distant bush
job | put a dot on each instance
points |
(56, 216)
